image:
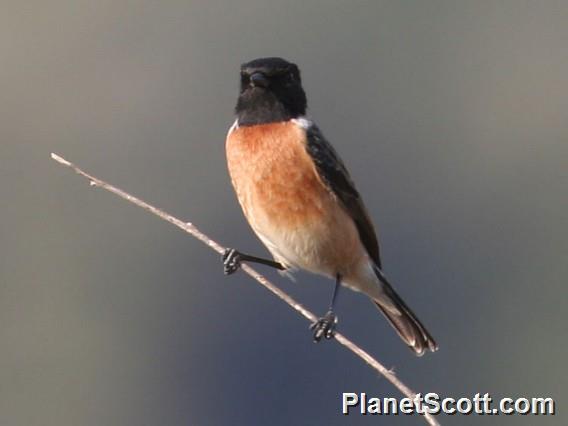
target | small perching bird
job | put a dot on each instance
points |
(300, 200)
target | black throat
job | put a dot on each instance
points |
(259, 106)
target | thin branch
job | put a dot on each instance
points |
(191, 229)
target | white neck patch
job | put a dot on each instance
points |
(234, 126)
(303, 122)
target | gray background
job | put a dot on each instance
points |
(452, 117)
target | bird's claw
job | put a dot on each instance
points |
(324, 327)
(231, 261)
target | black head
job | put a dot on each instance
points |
(271, 91)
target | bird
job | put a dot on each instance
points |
(300, 200)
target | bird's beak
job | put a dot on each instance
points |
(258, 79)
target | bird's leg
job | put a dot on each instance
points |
(232, 260)
(325, 326)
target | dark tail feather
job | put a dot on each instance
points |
(408, 327)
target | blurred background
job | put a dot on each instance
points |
(453, 119)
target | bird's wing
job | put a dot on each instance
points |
(336, 177)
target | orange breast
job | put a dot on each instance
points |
(273, 174)
(295, 215)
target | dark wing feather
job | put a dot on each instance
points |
(336, 177)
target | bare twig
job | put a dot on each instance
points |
(191, 229)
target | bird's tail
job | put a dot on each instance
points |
(403, 320)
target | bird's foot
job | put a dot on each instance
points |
(231, 261)
(324, 327)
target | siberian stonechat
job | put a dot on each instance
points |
(300, 200)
